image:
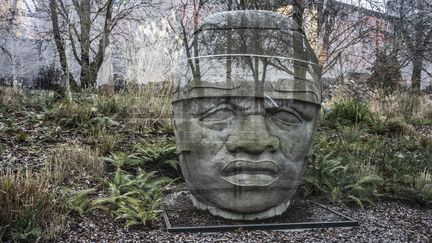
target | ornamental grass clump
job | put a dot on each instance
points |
(412, 106)
(151, 107)
(113, 105)
(10, 97)
(70, 163)
(29, 207)
(72, 115)
(105, 140)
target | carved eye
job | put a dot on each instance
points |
(218, 115)
(287, 118)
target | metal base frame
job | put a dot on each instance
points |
(346, 222)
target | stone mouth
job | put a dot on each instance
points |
(251, 173)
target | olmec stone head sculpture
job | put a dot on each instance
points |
(246, 102)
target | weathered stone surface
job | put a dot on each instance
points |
(246, 102)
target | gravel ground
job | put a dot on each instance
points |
(387, 221)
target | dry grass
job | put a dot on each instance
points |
(424, 180)
(402, 104)
(74, 115)
(10, 97)
(114, 104)
(425, 140)
(74, 162)
(398, 125)
(106, 140)
(28, 206)
(151, 106)
(143, 108)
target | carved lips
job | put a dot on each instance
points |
(248, 173)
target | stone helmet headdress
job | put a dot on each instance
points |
(249, 53)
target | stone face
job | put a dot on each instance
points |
(246, 103)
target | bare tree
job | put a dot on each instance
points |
(413, 25)
(8, 20)
(59, 41)
(87, 27)
(20, 50)
(191, 12)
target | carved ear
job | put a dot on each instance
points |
(310, 152)
(174, 124)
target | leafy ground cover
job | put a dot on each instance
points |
(114, 155)
(359, 157)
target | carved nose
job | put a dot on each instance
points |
(252, 137)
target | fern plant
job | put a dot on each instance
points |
(136, 199)
(161, 154)
(340, 170)
(77, 201)
(123, 160)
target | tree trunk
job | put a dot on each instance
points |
(59, 42)
(229, 48)
(419, 47)
(416, 73)
(197, 9)
(103, 43)
(298, 41)
(326, 22)
(85, 25)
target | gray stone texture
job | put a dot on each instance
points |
(246, 103)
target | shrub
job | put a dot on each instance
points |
(28, 206)
(353, 165)
(336, 171)
(348, 112)
(386, 72)
(48, 78)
